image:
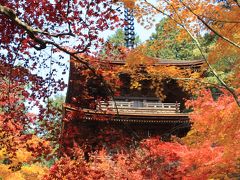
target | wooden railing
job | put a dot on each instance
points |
(147, 107)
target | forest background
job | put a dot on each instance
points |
(34, 34)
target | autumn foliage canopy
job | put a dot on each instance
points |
(38, 37)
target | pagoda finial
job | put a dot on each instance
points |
(129, 28)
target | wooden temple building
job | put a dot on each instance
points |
(89, 107)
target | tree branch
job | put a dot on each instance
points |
(209, 27)
(199, 47)
(32, 32)
(220, 21)
(202, 82)
(237, 2)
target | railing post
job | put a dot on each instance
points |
(177, 107)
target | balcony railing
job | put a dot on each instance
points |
(146, 107)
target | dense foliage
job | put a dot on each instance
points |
(166, 43)
(34, 34)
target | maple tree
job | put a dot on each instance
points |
(32, 29)
(210, 150)
(144, 73)
(51, 26)
(31, 33)
(19, 145)
(191, 18)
